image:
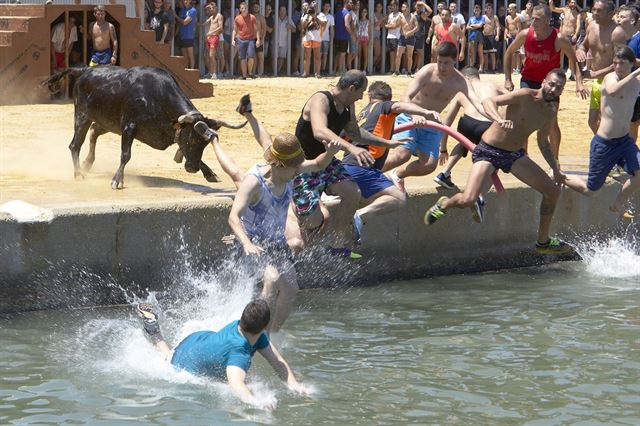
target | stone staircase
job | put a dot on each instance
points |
(25, 50)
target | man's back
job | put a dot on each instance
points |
(209, 353)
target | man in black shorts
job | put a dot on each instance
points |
(502, 147)
(472, 125)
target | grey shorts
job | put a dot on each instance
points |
(324, 47)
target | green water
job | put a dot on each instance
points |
(558, 344)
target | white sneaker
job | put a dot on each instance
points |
(397, 181)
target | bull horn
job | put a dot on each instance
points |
(187, 118)
(231, 126)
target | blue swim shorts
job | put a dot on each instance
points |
(370, 181)
(102, 57)
(606, 153)
(425, 140)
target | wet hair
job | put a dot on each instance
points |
(625, 53)
(285, 151)
(470, 71)
(558, 72)
(255, 316)
(608, 5)
(380, 90)
(448, 50)
(544, 8)
(355, 78)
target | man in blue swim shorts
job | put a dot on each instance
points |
(103, 36)
(433, 87)
(612, 145)
(378, 117)
(227, 353)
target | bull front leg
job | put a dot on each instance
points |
(94, 132)
(80, 128)
(209, 174)
(128, 133)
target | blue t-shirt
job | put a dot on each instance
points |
(634, 44)
(341, 29)
(208, 353)
(188, 32)
(475, 35)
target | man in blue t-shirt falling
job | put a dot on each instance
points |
(225, 354)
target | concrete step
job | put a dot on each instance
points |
(14, 23)
(32, 10)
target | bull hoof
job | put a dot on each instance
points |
(115, 184)
(212, 177)
(86, 166)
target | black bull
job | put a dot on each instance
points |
(143, 103)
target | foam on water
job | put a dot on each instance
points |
(612, 257)
(117, 351)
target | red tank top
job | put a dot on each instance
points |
(540, 56)
(443, 33)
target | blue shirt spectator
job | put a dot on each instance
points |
(341, 32)
(188, 32)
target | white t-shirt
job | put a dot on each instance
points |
(283, 34)
(57, 37)
(458, 19)
(331, 22)
(393, 19)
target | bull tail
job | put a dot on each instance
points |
(53, 81)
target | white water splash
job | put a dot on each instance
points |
(611, 258)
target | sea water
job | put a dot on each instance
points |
(555, 344)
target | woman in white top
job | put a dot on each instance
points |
(364, 37)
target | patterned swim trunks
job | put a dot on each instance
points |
(308, 187)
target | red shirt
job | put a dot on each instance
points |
(245, 27)
(540, 56)
(443, 33)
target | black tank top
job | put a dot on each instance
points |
(336, 122)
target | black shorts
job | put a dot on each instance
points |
(341, 46)
(407, 41)
(528, 84)
(392, 44)
(489, 43)
(636, 111)
(419, 42)
(499, 158)
(472, 129)
(185, 43)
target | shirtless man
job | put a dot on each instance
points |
(599, 40)
(471, 125)
(214, 30)
(525, 20)
(502, 147)
(513, 25)
(491, 35)
(612, 143)
(434, 86)
(103, 36)
(543, 49)
(407, 39)
(570, 27)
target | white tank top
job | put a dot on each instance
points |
(393, 32)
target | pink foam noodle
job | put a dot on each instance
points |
(457, 136)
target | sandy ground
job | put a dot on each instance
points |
(35, 163)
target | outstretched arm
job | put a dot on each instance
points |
(259, 132)
(321, 161)
(545, 148)
(282, 369)
(611, 86)
(452, 112)
(567, 49)
(236, 377)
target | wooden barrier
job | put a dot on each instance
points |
(25, 49)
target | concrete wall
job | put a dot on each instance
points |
(93, 256)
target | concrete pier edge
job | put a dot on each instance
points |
(89, 256)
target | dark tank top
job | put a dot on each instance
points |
(335, 122)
